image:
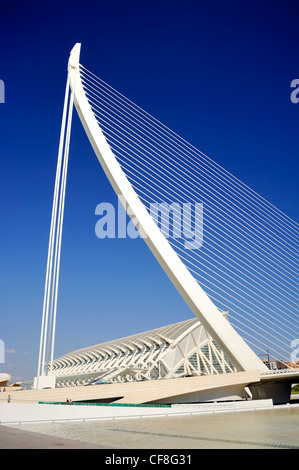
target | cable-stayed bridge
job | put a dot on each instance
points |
(248, 262)
(224, 247)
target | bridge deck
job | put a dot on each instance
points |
(178, 390)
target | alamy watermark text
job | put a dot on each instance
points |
(295, 93)
(2, 92)
(175, 220)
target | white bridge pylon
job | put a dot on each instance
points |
(45, 377)
(241, 355)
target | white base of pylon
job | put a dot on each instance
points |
(44, 381)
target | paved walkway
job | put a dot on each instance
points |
(12, 438)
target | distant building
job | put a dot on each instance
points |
(4, 378)
(274, 364)
(294, 365)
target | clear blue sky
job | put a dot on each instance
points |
(218, 73)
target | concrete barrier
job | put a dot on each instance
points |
(18, 413)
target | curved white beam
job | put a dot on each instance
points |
(201, 305)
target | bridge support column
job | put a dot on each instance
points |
(278, 391)
(44, 381)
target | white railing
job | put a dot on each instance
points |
(281, 371)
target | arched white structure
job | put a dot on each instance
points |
(241, 355)
(169, 352)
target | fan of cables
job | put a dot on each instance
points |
(240, 248)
